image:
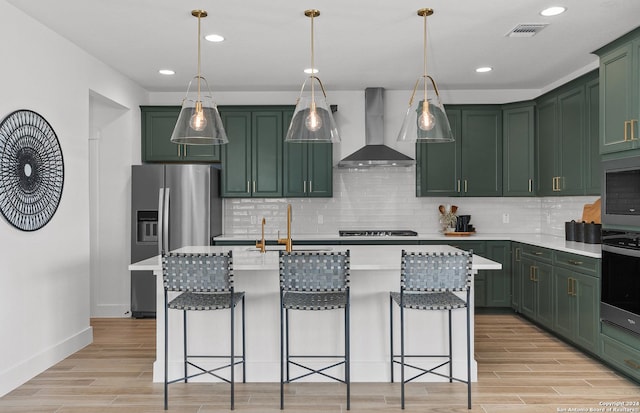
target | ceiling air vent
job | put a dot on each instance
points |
(526, 30)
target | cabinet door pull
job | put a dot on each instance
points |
(310, 187)
(553, 184)
(537, 253)
(248, 190)
(626, 128)
(531, 273)
(569, 285)
(633, 129)
(535, 274)
(304, 187)
(518, 254)
(574, 262)
(458, 186)
(465, 185)
(632, 364)
(575, 290)
(530, 185)
(254, 187)
(179, 146)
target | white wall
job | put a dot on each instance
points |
(45, 294)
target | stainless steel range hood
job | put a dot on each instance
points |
(375, 152)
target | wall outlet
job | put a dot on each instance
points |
(505, 218)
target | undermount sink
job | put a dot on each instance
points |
(309, 248)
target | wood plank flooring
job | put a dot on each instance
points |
(520, 367)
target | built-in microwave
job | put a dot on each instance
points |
(621, 192)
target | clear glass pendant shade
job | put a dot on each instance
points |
(426, 122)
(199, 122)
(312, 119)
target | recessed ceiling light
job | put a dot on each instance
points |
(308, 70)
(166, 72)
(484, 69)
(216, 38)
(553, 11)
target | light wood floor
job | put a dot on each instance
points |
(521, 369)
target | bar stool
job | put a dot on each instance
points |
(428, 282)
(205, 282)
(313, 281)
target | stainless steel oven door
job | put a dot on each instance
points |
(620, 287)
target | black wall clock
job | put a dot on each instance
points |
(31, 170)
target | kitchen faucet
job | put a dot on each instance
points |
(287, 241)
(262, 244)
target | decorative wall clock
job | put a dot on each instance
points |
(31, 170)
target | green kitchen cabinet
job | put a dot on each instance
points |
(518, 163)
(620, 94)
(516, 276)
(620, 348)
(565, 140)
(157, 126)
(498, 282)
(537, 285)
(252, 163)
(308, 169)
(593, 177)
(470, 166)
(479, 279)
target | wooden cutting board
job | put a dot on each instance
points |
(591, 212)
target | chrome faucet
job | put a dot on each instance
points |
(262, 245)
(287, 241)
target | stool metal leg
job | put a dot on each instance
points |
(244, 362)
(166, 349)
(232, 358)
(184, 343)
(281, 353)
(450, 351)
(402, 350)
(391, 332)
(468, 354)
(347, 353)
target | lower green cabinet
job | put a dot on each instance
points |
(498, 282)
(621, 349)
(536, 300)
(516, 276)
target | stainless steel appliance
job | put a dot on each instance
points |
(377, 233)
(621, 192)
(620, 279)
(171, 206)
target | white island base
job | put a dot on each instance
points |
(375, 270)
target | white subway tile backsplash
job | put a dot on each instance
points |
(384, 198)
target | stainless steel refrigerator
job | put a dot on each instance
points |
(172, 206)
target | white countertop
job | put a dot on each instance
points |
(363, 257)
(540, 240)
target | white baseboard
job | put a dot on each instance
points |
(22, 372)
(111, 311)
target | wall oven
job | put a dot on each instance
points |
(620, 283)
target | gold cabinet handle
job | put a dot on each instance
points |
(632, 364)
(633, 129)
(626, 128)
(458, 186)
(310, 186)
(530, 185)
(574, 262)
(537, 253)
(304, 187)
(248, 190)
(254, 187)
(575, 290)
(531, 273)
(184, 150)
(179, 149)
(535, 274)
(465, 185)
(569, 286)
(518, 253)
(553, 184)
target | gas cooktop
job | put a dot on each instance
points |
(377, 233)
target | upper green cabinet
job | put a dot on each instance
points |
(157, 126)
(470, 166)
(518, 166)
(620, 94)
(566, 141)
(252, 160)
(308, 169)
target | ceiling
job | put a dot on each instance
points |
(358, 43)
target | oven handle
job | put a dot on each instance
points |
(621, 251)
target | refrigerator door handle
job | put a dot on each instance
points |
(165, 222)
(160, 221)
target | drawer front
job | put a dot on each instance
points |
(537, 253)
(621, 356)
(579, 263)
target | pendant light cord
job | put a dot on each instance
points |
(313, 101)
(199, 76)
(425, 58)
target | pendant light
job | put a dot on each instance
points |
(312, 119)
(199, 122)
(426, 120)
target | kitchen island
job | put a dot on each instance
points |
(375, 270)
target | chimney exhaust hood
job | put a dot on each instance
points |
(375, 153)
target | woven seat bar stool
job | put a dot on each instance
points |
(428, 281)
(313, 281)
(205, 283)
